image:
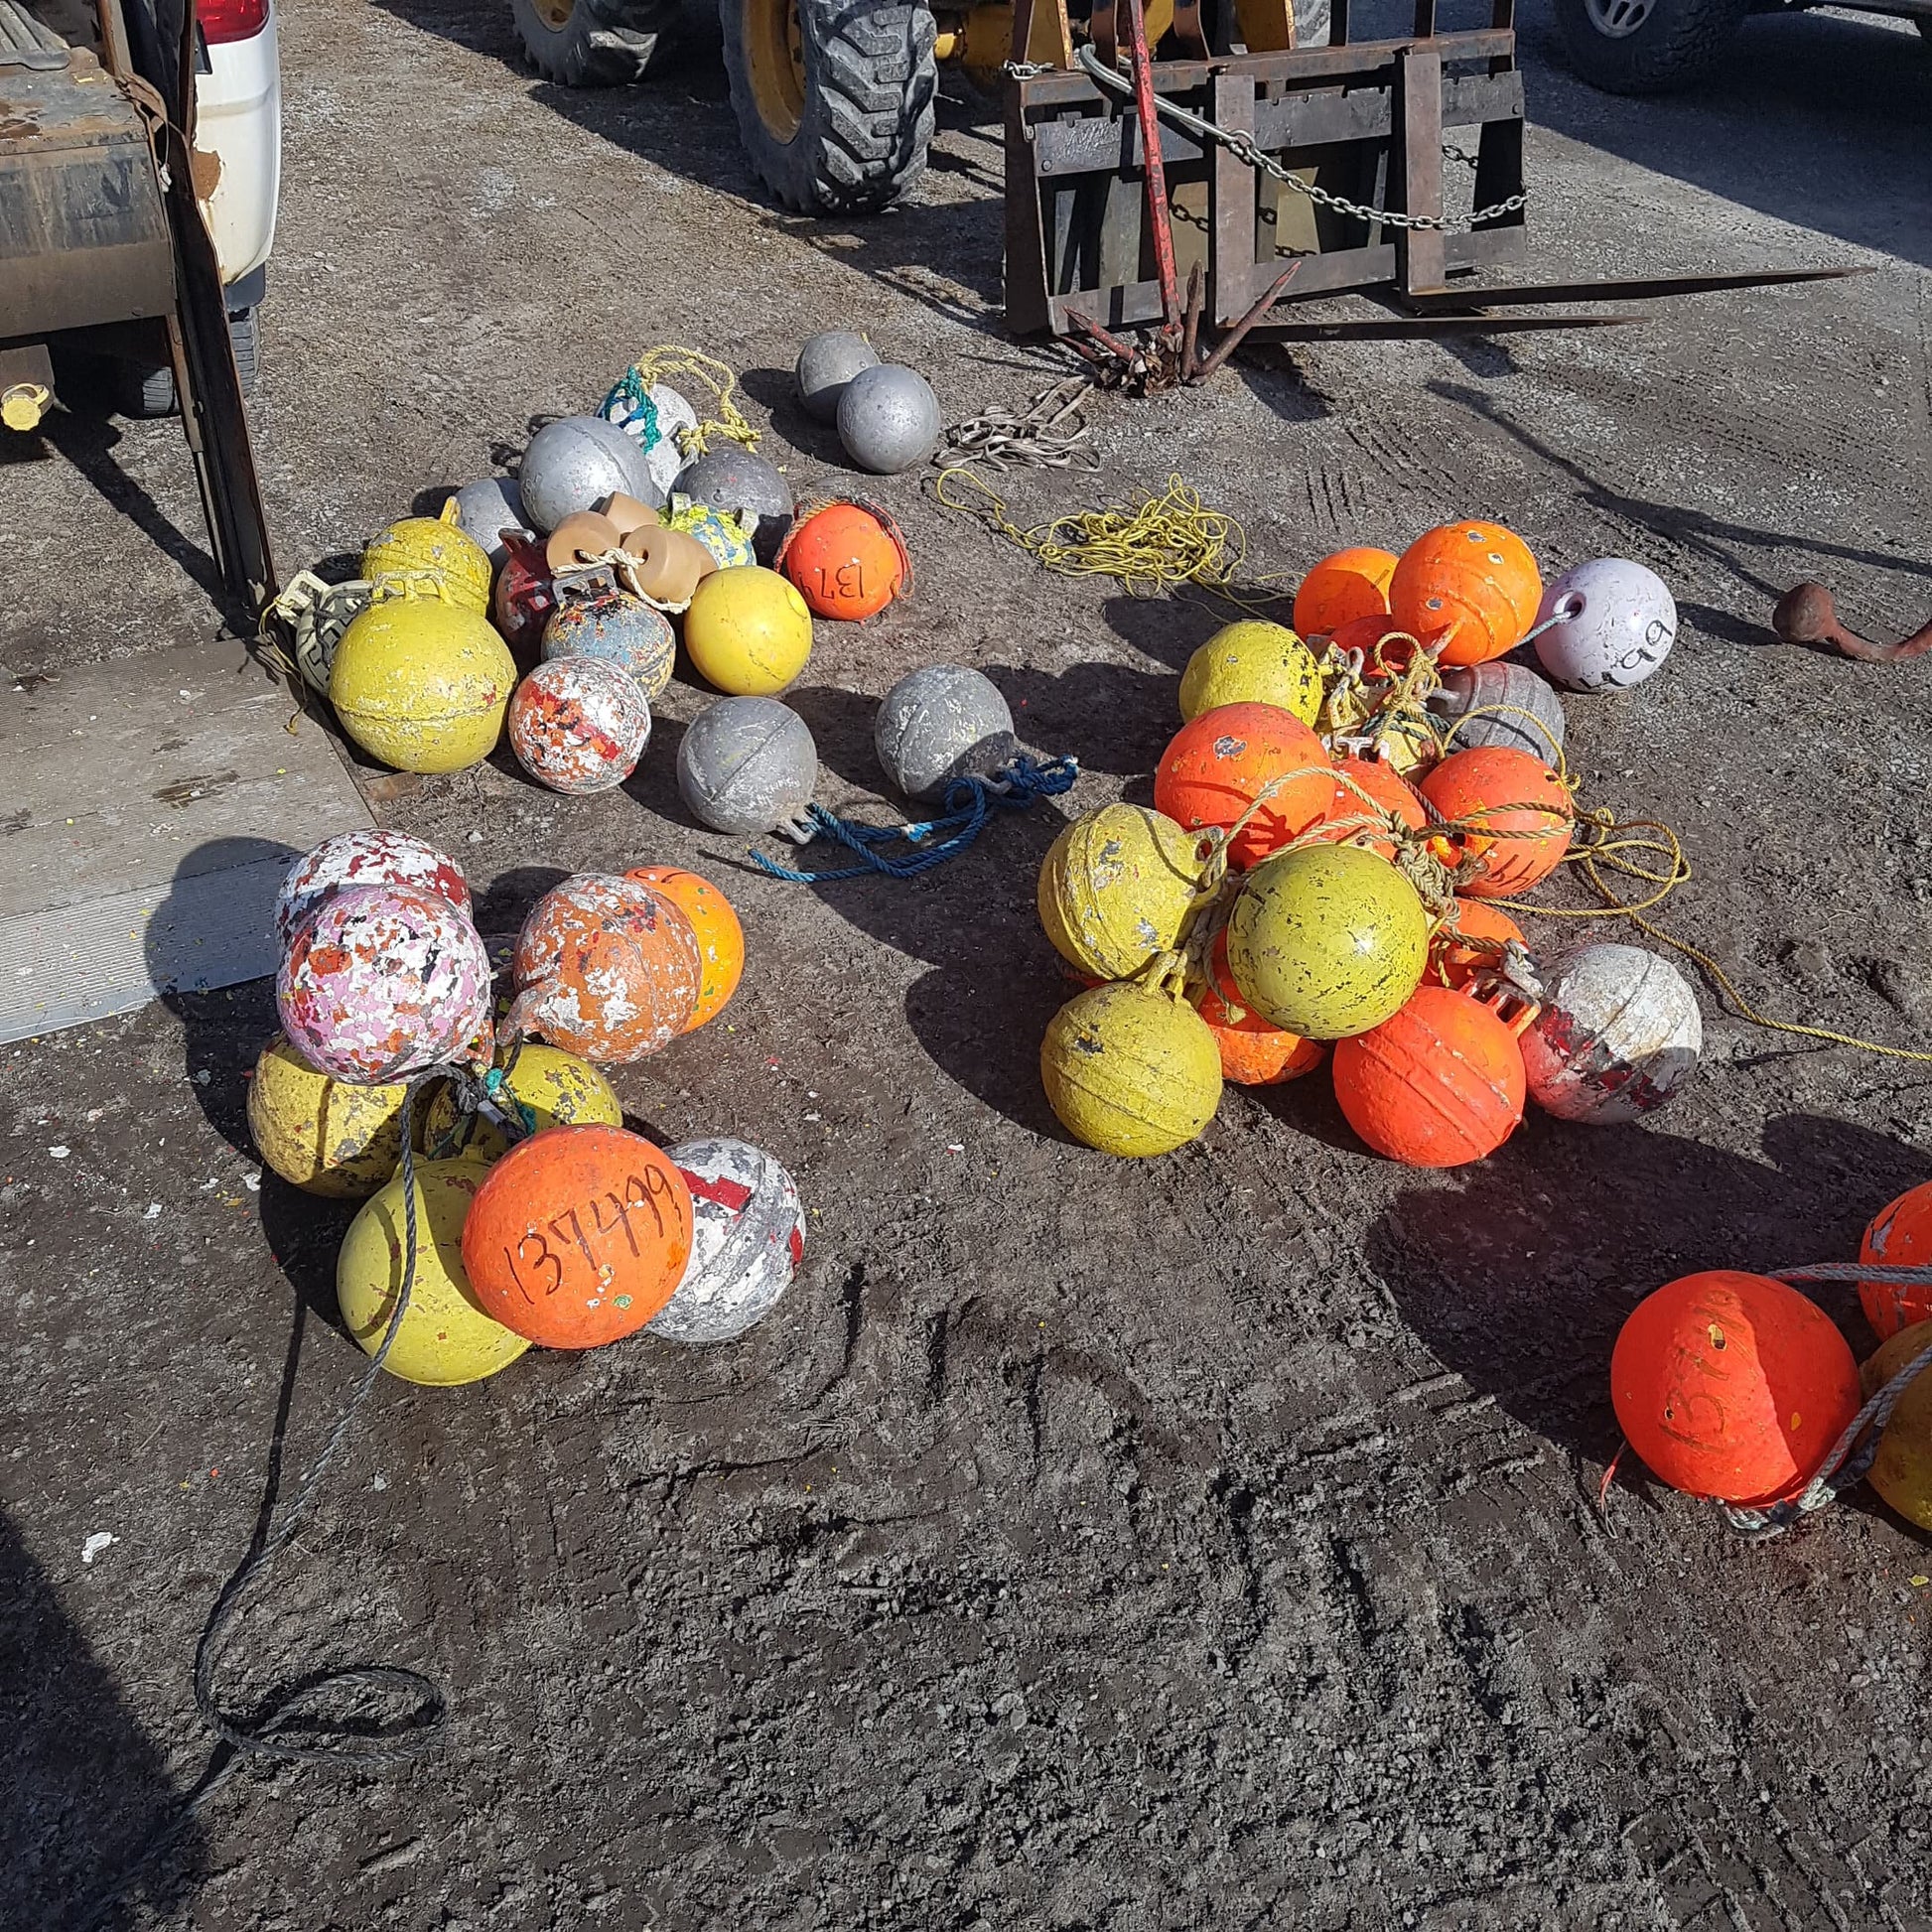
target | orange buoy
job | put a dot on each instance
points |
(1437, 1084)
(1217, 765)
(1253, 1054)
(1451, 956)
(1387, 788)
(1901, 1234)
(607, 968)
(721, 938)
(1733, 1386)
(1505, 791)
(848, 560)
(578, 1236)
(1478, 581)
(1350, 583)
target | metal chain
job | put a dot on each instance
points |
(1241, 145)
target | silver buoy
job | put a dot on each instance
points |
(741, 484)
(826, 363)
(748, 766)
(941, 723)
(484, 510)
(889, 419)
(577, 462)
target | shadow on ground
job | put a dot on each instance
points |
(1518, 1274)
(83, 1792)
(1814, 118)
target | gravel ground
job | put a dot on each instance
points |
(1210, 1542)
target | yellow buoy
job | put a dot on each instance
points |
(438, 543)
(1902, 1471)
(446, 1339)
(1327, 942)
(322, 1135)
(1252, 663)
(1114, 887)
(559, 1089)
(748, 631)
(420, 682)
(1129, 1070)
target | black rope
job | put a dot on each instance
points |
(343, 1740)
(338, 1741)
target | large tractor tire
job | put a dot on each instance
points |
(1647, 47)
(593, 43)
(833, 98)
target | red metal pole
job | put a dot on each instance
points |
(1159, 219)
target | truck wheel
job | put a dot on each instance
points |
(593, 43)
(1647, 47)
(147, 389)
(834, 97)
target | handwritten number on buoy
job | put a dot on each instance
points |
(543, 1254)
(847, 584)
(536, 1252)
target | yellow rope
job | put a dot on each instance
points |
(671, 363)
(1157, 544)
(1605, 849)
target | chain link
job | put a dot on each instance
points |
(1241, 145)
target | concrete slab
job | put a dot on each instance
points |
(154, 805)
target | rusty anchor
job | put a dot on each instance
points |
(1805, 616)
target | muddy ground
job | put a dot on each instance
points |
(1210, 1542)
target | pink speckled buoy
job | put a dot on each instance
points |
(579, 723)
(608, 968)
(371, 856)
(382, 981)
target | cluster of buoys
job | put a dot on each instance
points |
(540, 1218)
(1736, 1387)
(1332, 827)
(549, 607)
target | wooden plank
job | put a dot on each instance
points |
(1418, 101)
(1364, 60)
(1098, 145)
(1109, 143)
(1233, 201)
(1028, 310)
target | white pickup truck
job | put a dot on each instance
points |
(78, 218)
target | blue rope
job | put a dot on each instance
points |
(630, 401)
(968, 802)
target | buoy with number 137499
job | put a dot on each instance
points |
(578, 1236)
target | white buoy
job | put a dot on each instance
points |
(1618, 1033)
(747, 1237)
(1616, 622)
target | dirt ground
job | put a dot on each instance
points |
(1204, 1543)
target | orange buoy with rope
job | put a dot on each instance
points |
(1733, 1386)
(1439, 1084)
(1509, 816)
(1900, 1233)
(1217, 766)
